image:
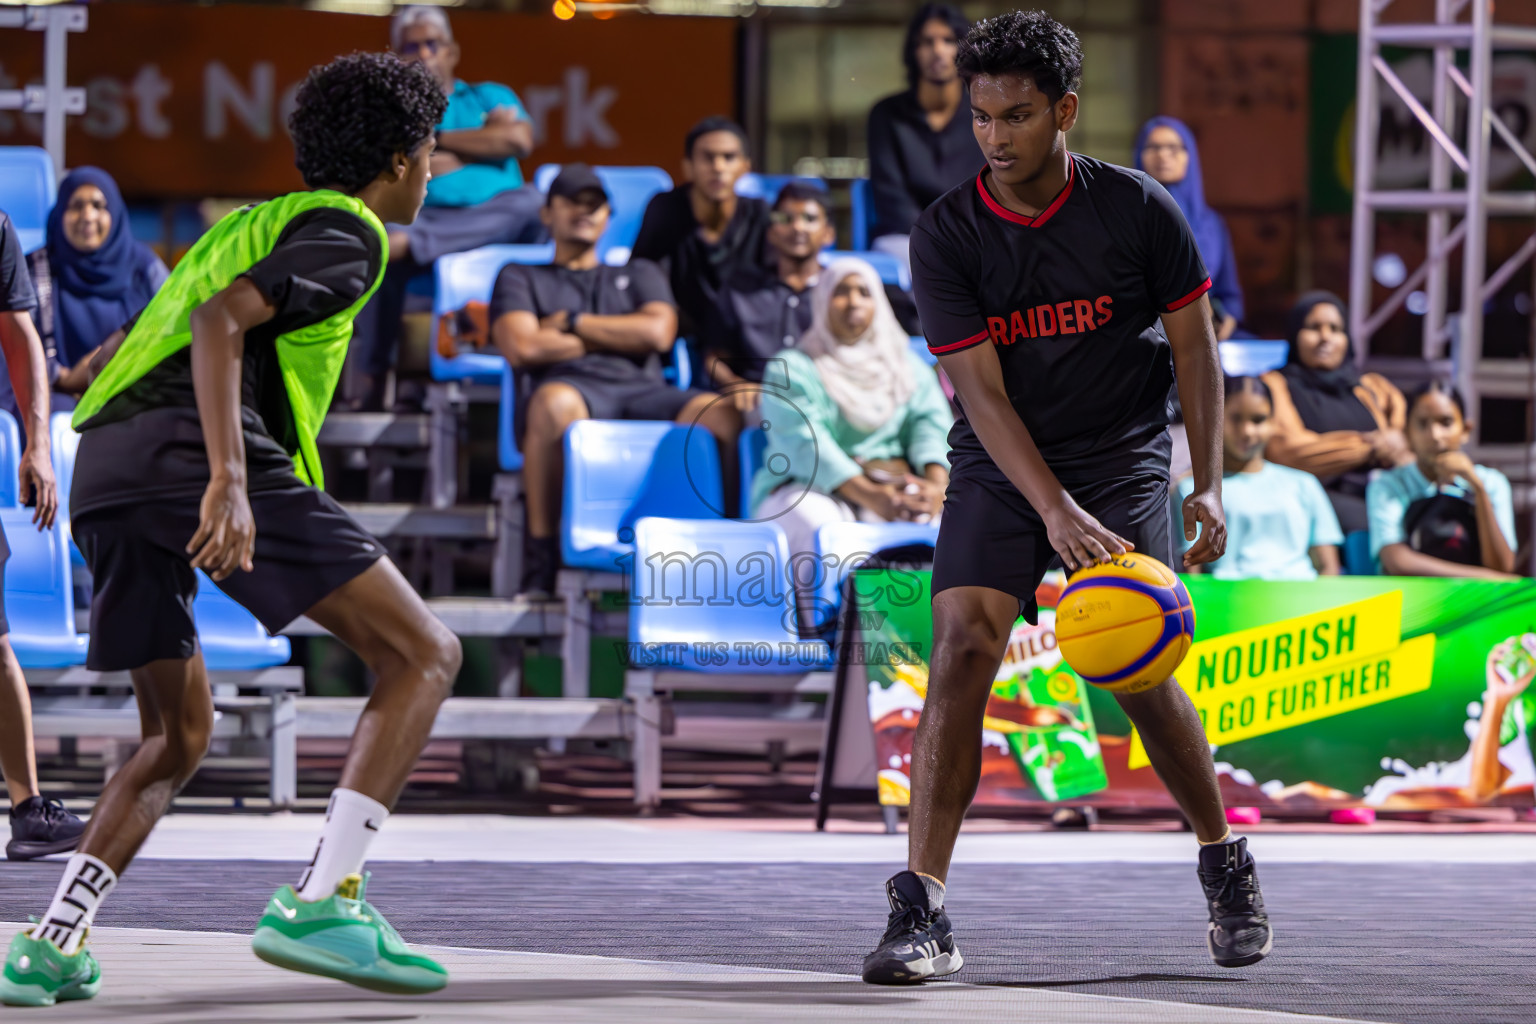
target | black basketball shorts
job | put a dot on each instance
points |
(143, 581)
(991, 537)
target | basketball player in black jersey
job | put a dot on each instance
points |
(1041, 284)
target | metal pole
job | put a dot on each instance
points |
(1474, 249)
(1443, 109)
(1363, 229)
(55, 53)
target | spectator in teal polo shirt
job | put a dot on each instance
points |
(477, 195)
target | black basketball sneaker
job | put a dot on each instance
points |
(41, 827)
(918, 943)
(1239, 934)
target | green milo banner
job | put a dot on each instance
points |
(1389, 692)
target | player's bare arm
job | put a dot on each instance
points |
(23, 351)
(226, 533)
(1076, 536)
(1197, 368)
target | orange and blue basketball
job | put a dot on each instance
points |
(1125, 625)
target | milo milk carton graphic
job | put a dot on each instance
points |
(1041, 706)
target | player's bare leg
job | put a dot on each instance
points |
(322, 925)
(971, 626)
(1170, 729)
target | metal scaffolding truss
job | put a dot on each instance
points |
(1460, 25)
(53, 99)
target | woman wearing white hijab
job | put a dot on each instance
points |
(857, 425)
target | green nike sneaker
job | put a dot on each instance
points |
(37, 973)
(343, 937)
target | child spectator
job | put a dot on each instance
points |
(1440, 515)
(1280, 524)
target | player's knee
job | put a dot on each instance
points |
(437, 657)
(554, 407)
(966, 644)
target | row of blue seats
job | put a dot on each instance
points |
(39, 596)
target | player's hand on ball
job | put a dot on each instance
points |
(35, 474)
(1204, 508)
(1080, 539)
(226, 531)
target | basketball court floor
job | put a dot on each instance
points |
(602, 920)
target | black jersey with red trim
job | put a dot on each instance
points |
(1070, 299)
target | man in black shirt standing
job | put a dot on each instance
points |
(920, 141)
(764, 311)
(587, 340)
(38, 827)
(702, 232)
(1041, 284)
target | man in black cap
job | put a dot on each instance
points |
(587, 341)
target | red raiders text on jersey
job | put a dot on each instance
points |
(1074, 316)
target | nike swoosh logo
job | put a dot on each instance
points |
(288, 912)
(369, 825)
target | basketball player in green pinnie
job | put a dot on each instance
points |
(198, 452)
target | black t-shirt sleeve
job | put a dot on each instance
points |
(656, 238)
(948, 300)
(324, 261)
(648, 283)
(513, 292)
(1176, 275)
(16, 293)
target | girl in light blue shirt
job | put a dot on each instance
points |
(1440, 515)
(1280, 523)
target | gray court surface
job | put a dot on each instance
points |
(1402, 943)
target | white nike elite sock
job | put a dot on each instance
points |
(351, 822)
(85, 884)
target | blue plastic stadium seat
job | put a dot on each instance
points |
(629, 191)
(706, 588)
(862, 195)
(843, 547)
(27, 191)
(10, 461)
(1357, 554)
(39, 598)
(679, 374)
(64, 441)
(768, 186)
(231, 638)
(465, 277)
(749, 454)
(887, 266)
(1251, 358)
(617, 471)
(921, 350)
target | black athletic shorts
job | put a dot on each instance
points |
(991, 537)
(141, 609)
(638, 399)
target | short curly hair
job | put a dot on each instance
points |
(355, 113)
(1028, 43)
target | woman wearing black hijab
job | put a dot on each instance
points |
(1330, 419)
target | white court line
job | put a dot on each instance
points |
(175, 977)
(501, 839)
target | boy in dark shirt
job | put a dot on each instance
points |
(199, 452)
(38, 827)
(702, 232)
(587, 340)
(1041, 284)
(764, 311)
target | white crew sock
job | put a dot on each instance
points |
(351, 821)
(935, 890)
(85, 884)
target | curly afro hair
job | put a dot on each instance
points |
(1029, 43)
(355, 113)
